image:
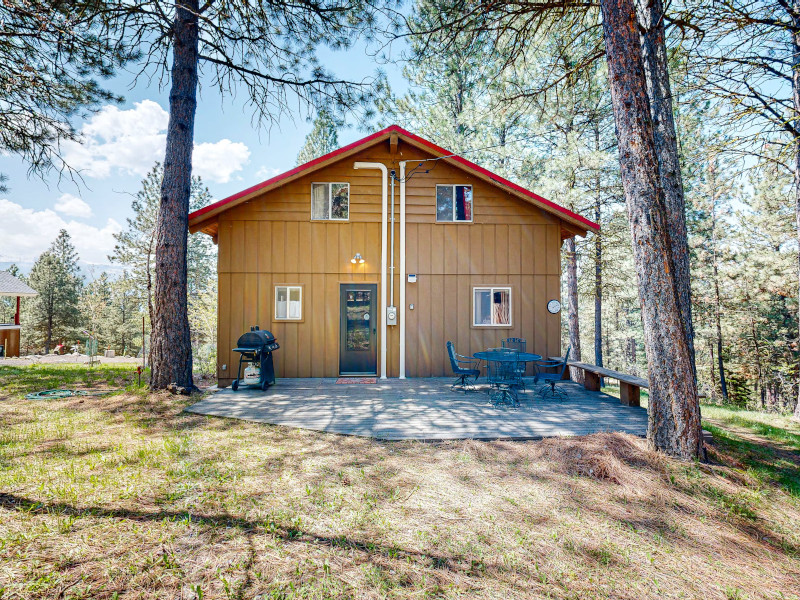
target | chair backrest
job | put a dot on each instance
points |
(566, 360)
(515, 343)
(451, 352)
(500, 372)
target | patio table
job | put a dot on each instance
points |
(494, 355)
(502, 384)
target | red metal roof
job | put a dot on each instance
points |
(555, 208)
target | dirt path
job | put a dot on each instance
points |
(781, 450)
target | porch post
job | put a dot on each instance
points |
(16, 315)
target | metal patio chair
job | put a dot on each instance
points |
(515, 344)
(551, 380)
(502, 377)
(462, 373)
(518, 344)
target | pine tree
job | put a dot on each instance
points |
(135, 247)
(269, 51)
(51, 58)
(54, 314)
(323, 138)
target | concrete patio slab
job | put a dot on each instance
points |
(422, 409)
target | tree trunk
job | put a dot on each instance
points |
(170, 347)
(723, 386)
(673, 410)
(713, 374)
(712, 180)
(572, 309)
(631, 356)
(48, 342)
(796, 101)
(654, 55)
(598, 290)
(757, 352)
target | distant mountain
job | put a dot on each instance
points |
(88, 270)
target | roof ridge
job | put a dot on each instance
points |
(552, 206)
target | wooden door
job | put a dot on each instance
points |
(358, 324)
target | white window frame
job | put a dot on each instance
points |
(492, 289)
(453, 186)
(330, 185)
(289, 289)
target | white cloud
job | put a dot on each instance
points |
(126, 140)
(131, 141)
(266, 172)
(73, 206)
(219, 161)
(26, 233)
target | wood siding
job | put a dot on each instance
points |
(9, 339)
(271, 240)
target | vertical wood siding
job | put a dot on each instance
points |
(271, 240)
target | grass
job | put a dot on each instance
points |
(16, 381)
(126, 496)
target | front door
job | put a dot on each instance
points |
(358, 344)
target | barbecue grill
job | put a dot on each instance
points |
(255, 348)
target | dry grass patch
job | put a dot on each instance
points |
(128, 497)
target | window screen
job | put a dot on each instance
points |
(491, 307)
(330, 201)
(453, 203)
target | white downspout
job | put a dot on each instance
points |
(401, 314)
(384, 201)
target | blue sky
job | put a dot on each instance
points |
(122, 143)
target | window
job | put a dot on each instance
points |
(453, 203)
(288, 303)
(491, 306)
(330, 201)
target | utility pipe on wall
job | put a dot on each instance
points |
(391, 252)
(384, 201)
(401, 314)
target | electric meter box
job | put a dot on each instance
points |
(391, 315)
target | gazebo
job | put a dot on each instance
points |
(9, 332)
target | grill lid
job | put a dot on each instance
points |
(255, 338)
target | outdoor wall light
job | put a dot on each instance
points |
(357, 259)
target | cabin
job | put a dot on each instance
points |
(367, 260)
(12, 287)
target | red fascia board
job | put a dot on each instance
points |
(399, 130)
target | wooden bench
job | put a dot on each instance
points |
(629, 386)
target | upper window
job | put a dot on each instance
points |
(330, 201)
(288, 303)
(491, 306)
(453, 203)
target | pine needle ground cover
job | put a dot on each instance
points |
(126, 496)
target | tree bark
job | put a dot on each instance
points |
(49, 341)
(796, 102)
(713, 374)
(650, 14)
(598, 287)
(673, 410)
(712, 181)
(572, 309)
(170, 346)
(723, 385)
